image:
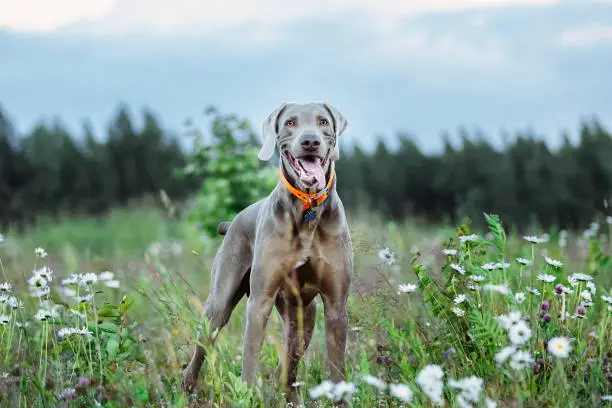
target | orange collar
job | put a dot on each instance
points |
(310, 200)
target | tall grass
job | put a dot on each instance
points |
(103, 313)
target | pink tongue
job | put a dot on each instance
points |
(313, 174)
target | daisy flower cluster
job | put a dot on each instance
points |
(429, 381)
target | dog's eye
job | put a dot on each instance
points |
(323, 122)
(290, 123)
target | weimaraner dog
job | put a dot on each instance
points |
(287, 248)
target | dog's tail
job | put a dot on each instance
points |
(223, 227)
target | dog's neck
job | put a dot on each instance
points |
(297, 205)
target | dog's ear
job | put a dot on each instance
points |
(269, 132)
(339, 125)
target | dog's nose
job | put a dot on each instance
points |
(310, 141)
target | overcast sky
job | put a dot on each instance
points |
(418, 66)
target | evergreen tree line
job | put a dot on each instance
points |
(49, 172)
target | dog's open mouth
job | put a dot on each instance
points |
(309, 169)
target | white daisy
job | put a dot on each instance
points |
(519, 297)
(430, 381)
(5, 287)
(4, 320)
(386, 256)
(505, 353)
(607, 299)
(591, 286)
(457, 268)
(519, 333)
(503, 289)
(546, 278)
(468, 238)
(559, 347)
(553, 262)
(523, 261)
(40, 252)
(374, 382)
(581, 277)
(533, 291)
(449, 251)
(471, 388)
(489, 266)
(533, 239)
(112, 284)
(72, 280)
(407, 287)
(401, 392)
(472, 286)
(476, 278)
(459, 299)
(458, 311)
(508, 320)
(89, 278)
(106, 276)
(521, 359)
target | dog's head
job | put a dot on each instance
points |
(307, 140)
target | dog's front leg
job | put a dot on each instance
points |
(264, 287)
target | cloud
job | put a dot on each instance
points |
(202, 17)
(586, 35)
(45, 15)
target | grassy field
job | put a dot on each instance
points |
(478, 328)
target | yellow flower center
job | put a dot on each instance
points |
(560, 346)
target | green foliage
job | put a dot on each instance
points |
(234, 178)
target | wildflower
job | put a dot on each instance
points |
(77, 313)
(559, 347)
(572, 281)
(68, 291)
(533, 291)
(520, 360)
(37, 281)
(387, 256)
(546, 278)
(581, 277)
(401, 392)
(449, 251)
(5, 287)
(607, 397)
(580, 311)
(473, 286)
(83, 299)
(458, 311)
(4, 320)
(489, 403)
(504, 354)
(591, 286)
(89, 278)
(430, 381)
(375, 382)
(106, 276)
(546, 318)
(545, 305)
(553, 262)
(503, 289)
(22, 325)
(609, 220)
(587, 297)
(468, 238)
(476, 278)
(519, 333)
(448, 352)
(342, 390)
(40, 252)
(112, 284)
(72, 280)
(1, 238)
(407, 288)
(3, 298)
(471, 388)
(323, 389)
(67, 394)
(519, 297)
(607, 299)
(489, 266)
(533, 239)
(459, 299)
(523, 261)
(508, 320)
(14, 303)
(40, 292)
(458, 268)
(43, 315)
(298, 384)
(559, 289)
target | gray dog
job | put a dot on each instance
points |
(287, 248)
